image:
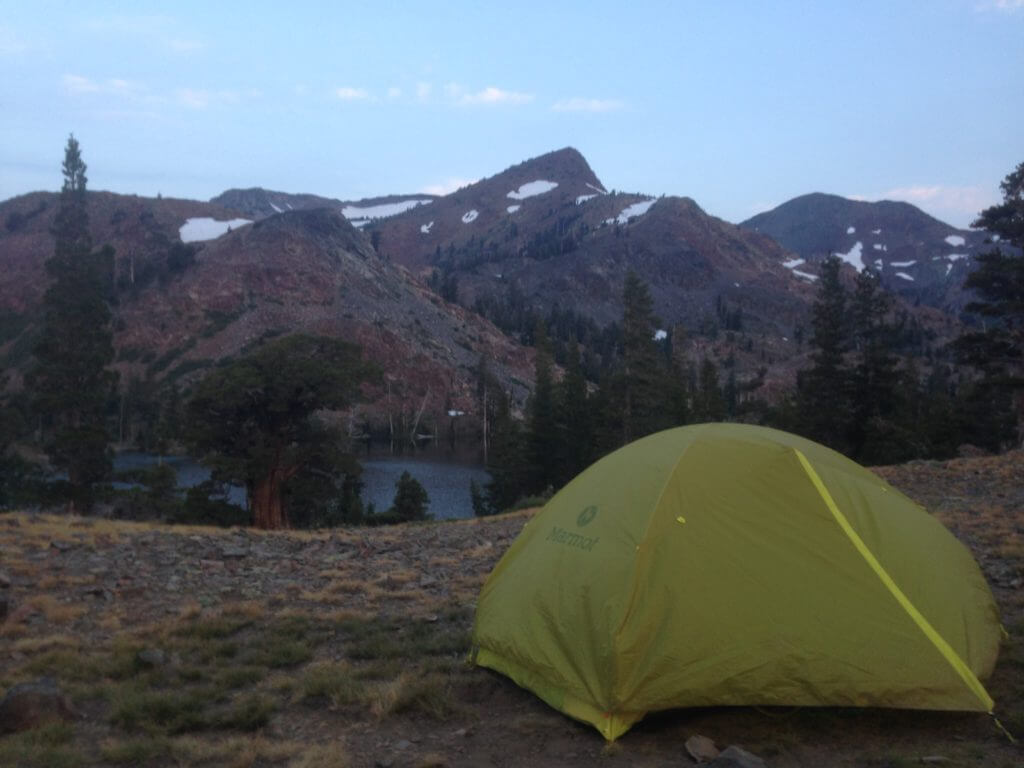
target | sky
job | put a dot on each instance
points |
(739, 105)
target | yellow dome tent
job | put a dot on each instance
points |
(727, 564)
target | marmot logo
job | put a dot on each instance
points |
(586, 516)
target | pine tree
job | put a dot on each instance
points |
(573, 421)
(542, 437)
(644, 378)
(823, 394)
(998, 349)
(70, 380)
(877, 430)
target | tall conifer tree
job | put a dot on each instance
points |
(823, 391)
(70, 382)
(998, 349)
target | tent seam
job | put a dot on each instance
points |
(635, 578)
(943, 647)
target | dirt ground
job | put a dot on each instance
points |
(197, 646)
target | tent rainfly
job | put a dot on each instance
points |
(728, 564)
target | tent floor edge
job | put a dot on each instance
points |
(610, 724)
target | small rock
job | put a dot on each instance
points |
(234, 553)
(461, 732)
(30, 705)
(403, 744)
(151, 657)
(701, 748)
(3, 608)
(5, 580)
(383, 763)
(61, 546)
(734, 757)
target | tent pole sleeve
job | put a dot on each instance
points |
(937, 640)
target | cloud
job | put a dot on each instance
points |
(151, 29)
(1002, 6)
(578, 104)
(957, 205)
(447, 186)
(346, 93)
(79, 84)
(10, 43)
(180, 45)
(423, 91)
(201, 98)
(487, 97)
(394, 93)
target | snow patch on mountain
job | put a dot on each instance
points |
(381, 211)
(792, 263)
(805, 275)
(660, 334)
(880, 247)
(513, 208)
(902, 263)
(470, 216)
(853, 256)
(876, 231)
(599, 190)
(632, 211)
(905, 276)
(955, 240)
(531, 189)
(276, 209)
(850, 230)
(204, 228)
(425, 228)
(583, 198)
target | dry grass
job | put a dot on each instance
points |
(330, 755)
(53, 610)
(31, 645)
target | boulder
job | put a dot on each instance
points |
(701, 748)
(29, 705)
(734, 757)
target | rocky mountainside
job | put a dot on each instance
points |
(918, 257)
(258, 203)
(197, 283)
(548, 231)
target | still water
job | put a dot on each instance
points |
(445, 476)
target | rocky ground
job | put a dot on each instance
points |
(193, 646)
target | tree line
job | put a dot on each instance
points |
(256, 421)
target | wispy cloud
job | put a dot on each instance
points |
(79, 84)
(11, 44)
(423, 91)
(181, 45)
(201, 98)
(153, 29)
(577, 104)
(394, 93)
(489, 96)
(1003, 6)
(112, 86)
(347, 93)
(958, 205)
(447, 186)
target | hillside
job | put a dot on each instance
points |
(918, 257)
(258, 203)
(196, 646)
(546, 236)
(180, 307)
